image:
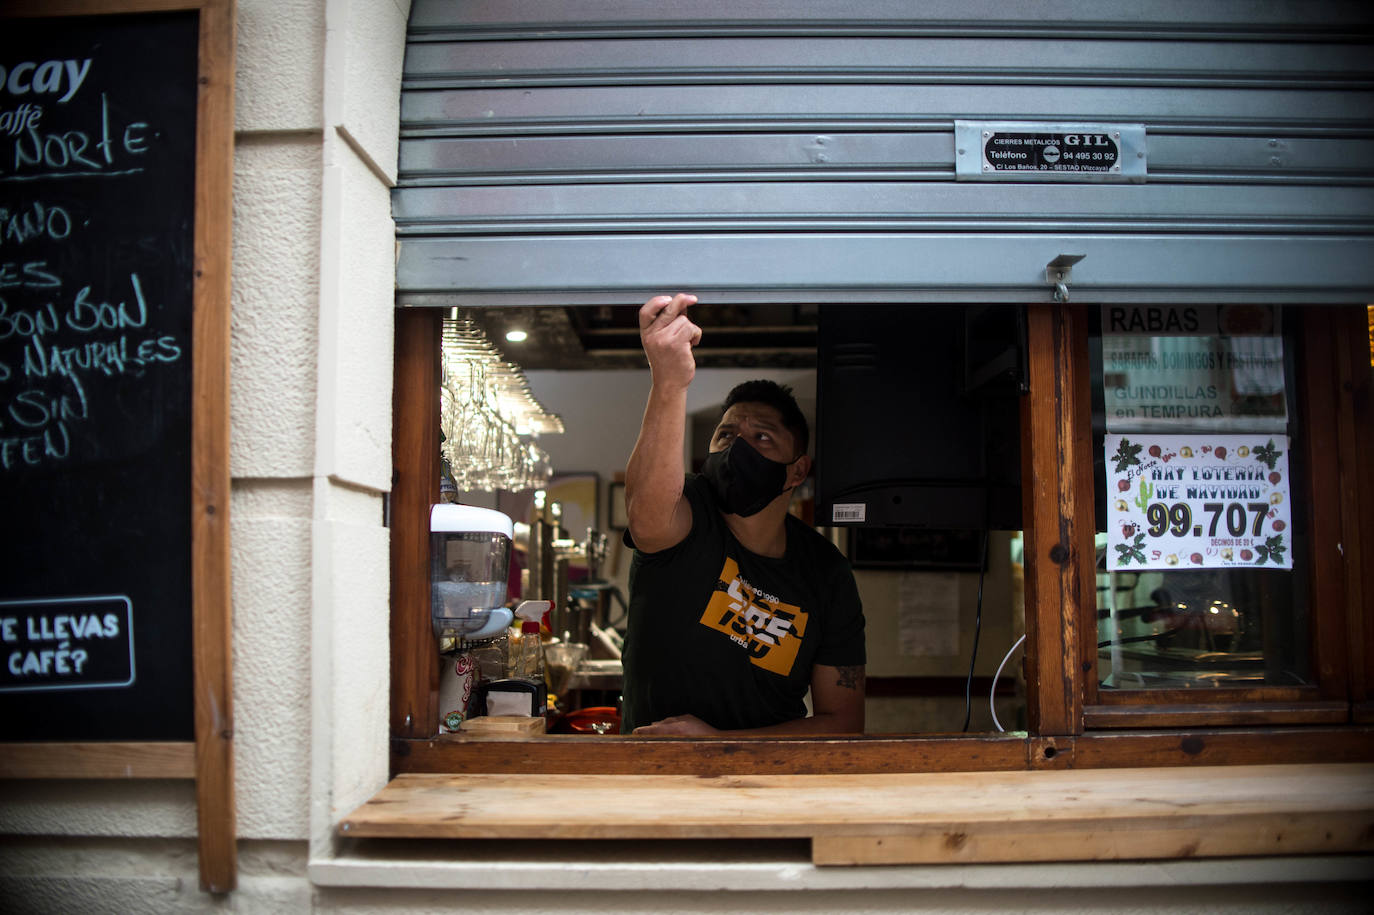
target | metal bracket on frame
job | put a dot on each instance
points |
(1057, 273)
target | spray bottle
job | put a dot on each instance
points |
(530, 664)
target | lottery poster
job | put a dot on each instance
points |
(1197, 501)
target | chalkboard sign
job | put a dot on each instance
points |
(97, 217)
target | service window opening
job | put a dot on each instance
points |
(914, 414)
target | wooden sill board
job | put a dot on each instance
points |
(166, 759)
(910, 818)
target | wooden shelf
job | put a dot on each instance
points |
(98, 760)
(912, 818)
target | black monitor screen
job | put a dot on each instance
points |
(917, 416)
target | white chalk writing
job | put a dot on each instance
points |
(76, 641)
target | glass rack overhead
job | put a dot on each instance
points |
(490, 419)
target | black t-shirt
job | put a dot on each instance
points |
(730, 636)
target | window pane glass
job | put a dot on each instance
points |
(1202, 528)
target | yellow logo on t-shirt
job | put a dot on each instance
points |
(768, 629)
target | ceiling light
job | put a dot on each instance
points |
(516, 336)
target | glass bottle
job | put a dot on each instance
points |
(531, 665)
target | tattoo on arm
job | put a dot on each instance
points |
(850, 677)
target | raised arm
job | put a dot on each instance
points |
(659, 514)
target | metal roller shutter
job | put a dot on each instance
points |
(778, 150)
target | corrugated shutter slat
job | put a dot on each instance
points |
(775, 151)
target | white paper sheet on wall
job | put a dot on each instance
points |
(928, 614)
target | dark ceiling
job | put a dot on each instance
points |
(607, 336)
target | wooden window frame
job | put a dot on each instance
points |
(1066, 715)
(1327, 442)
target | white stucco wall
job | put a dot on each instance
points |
(273, 404)
(318, 84)
(350, 643)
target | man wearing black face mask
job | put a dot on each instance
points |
(737, 608)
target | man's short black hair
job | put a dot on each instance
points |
(779, 397)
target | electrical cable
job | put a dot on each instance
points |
(977, 630)
(993, 692)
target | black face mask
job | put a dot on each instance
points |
(744, 480)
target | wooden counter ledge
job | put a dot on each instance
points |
(910, 818)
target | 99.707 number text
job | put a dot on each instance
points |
(1177, 519)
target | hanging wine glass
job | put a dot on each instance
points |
(489, 415)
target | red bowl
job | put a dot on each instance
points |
(602, 719)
